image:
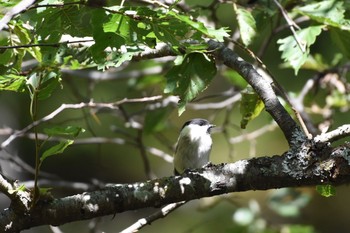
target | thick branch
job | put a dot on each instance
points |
(294, 168)
(262, 88)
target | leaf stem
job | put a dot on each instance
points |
(33, 113)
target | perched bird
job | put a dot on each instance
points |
(193, 145)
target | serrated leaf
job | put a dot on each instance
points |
(190, 78)
(292, 53)
(12, 82)
(251, 106)
(326, 190)
(246, 24)
(329, 12)
(73, 131)
(218, 34)
(56, 149)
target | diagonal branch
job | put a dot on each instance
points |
(157, 215)
(262, 87)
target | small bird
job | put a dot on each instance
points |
(193, 145)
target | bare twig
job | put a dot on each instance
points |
(45, 44)
(94, 140)
(157, 215)
(292, 25)
(75, 106)
(302, 123)
(253, 135)
(219, 105)
(339, 133)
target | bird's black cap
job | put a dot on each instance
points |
(198, 121)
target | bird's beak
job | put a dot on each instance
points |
(211, 127)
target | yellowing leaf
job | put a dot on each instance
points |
(251, 106)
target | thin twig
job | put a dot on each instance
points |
(339, 133)
(157, 215)
(291, 24)
(75, 106)
(219, 105)
(252, 135)
(45, 44)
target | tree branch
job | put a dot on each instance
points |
(262, 88)
(339, 133)
(309, 165)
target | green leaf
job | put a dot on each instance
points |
(50, 82)
(218, 34)
(6, 56)
(246, 24)
(170, 29)
(44, 83)
(326, 190)
(56, 149)
(23, 38)
(12, 82)
(292, 53)
(251, 106)
(329, 12)
(73, 131)
(123, 27)
(190, 78)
